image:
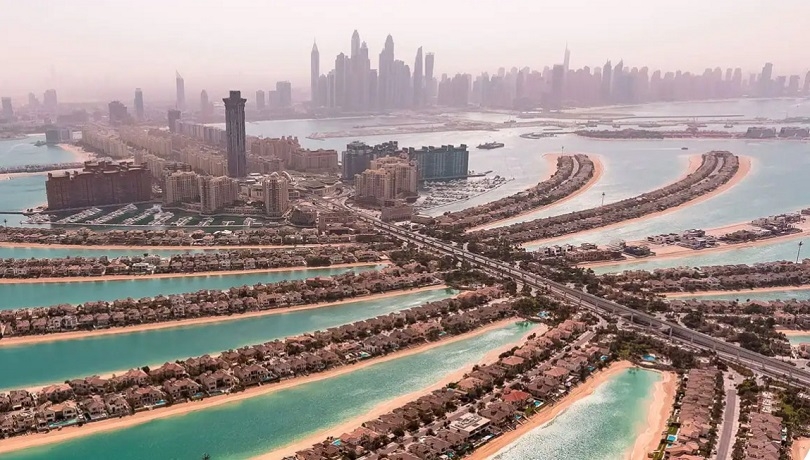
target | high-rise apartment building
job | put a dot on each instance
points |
(235, 134)
(180, 87)
(284, 94)
(404, 175)
(276, 192)
(358, 155)
(445, 162)
(181, 187)
(8, 109)
(99, 184)
(260, 100)
(49, 101)
(173, 116)
(118, 113)
(217, 193)
(765, 80)
(139, 104)
(418, 82)
(314, 76)
(430, 81)
(373, 186)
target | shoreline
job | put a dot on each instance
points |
(543, 417)
(78, 335)
(388, 406)
(800, 449)
(114, 247)
(742, 172)
(793, 332)
(741, 293)
(79, 154)
(14, 175)
(664, 393)
(42, 439)
(598, 170)
(85, 279)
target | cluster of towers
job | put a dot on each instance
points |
(354, 86)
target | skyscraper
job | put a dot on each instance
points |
(284, 93)
(430, 83)
(49, 100)
(765, 79)
(138, 104)
(385, 80)
(8, 110)
(203, 100)
(314, 75)
(181, 92)
(118, 113)
(355, 44)
(418, 83)
(260, 100)
(340, 80)
(607, 72)
(235, 134)
(172, 117)
(567, 58)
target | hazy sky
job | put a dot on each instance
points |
(103, 49)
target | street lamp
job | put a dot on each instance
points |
(799, 252)
(603, 198)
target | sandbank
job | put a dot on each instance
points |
(84, 279)
(76, 335)
(664, 393)
(113, 247)
(57, 436)
(79, 154)
(742, 172)
(739, 293)
(546, 415)
(390, 405)
(800, 449)
(551, 159)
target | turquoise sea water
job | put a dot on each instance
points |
(785, 250)
(49, 362)
(257, 425)
(43, 294)
(602, 426)
(19, 152)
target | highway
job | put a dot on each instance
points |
(771, 367)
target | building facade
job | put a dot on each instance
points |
(441, 163)
(217, 193)
(181, 187)
(276, 195)
(99, 184)
(235, 134)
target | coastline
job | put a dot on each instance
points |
(35, 173)
(741, 293)
(664, 393)
(794, 332)
(42, 439)
(114, 247)
(800, 449)
(598, 170)
(84, 279)
(547, 415)
(78, 335)
(390, 405)
(743, 171)
(79, 154)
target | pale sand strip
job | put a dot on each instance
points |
(740, 293)
(35, 173)
(84, 279)
(546, 415)
(677, 252)
(112, 247)
(390, 405)
(790, 332)
(42, 439)
(551, 158)
(59, 336)
(78, 153)
(800, 449)
(658, 412)
(742, 172)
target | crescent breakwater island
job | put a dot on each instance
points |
(574, 174)
(262, 365)
(717, 168)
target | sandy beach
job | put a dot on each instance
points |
(551, 158)
(38, 173)
(694, 163)
(790, 332)
(79, 154)
(41, 439)
(113, 247)
(658, 412)
(800, 449)
(740, 294)
(549, 413)
(392, 404)
(54, 337)
(84, 279)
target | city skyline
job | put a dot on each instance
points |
(506, 34)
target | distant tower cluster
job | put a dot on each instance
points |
(352, 85)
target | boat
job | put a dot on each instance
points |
(616, 125)
(684, 148)
(491, 145)
(728, 126)
(39, 143)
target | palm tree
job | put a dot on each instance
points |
(206, 457)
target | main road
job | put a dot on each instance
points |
(771, 367)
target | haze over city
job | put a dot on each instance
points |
(96, 50)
